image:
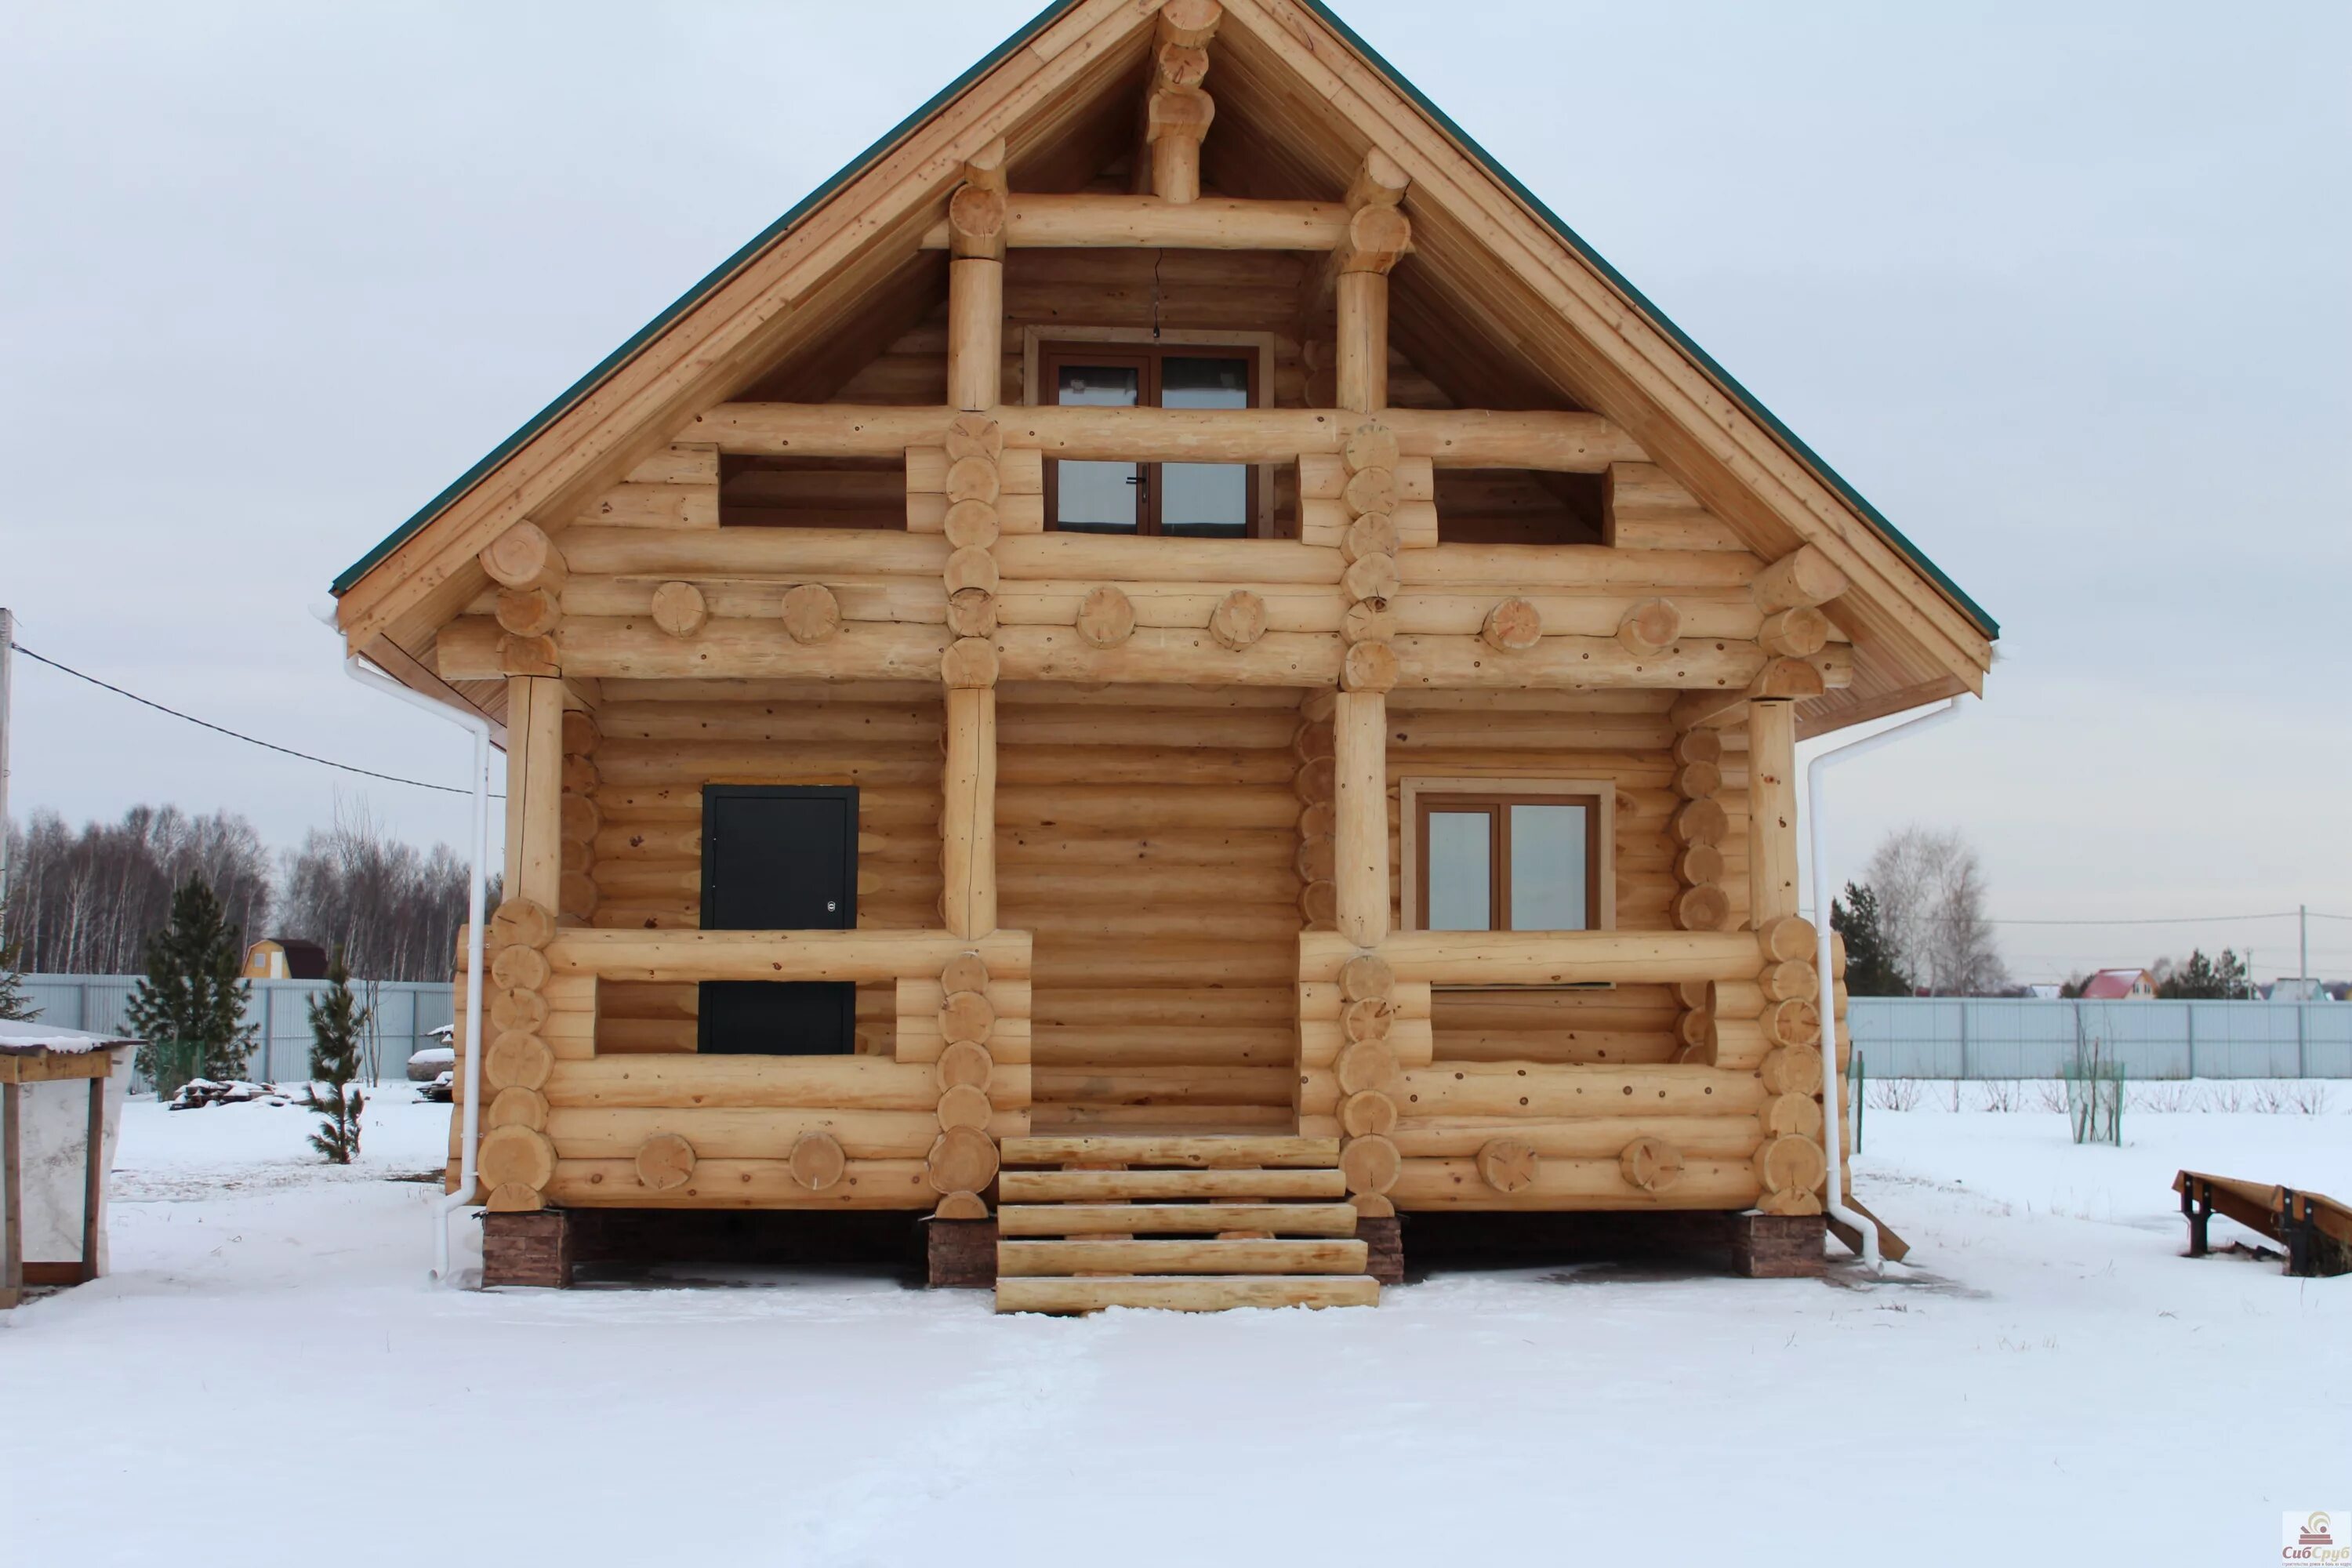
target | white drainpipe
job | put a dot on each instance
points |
(470, 1137)
(1832, 1139)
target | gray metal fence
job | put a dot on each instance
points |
(2005, 1037)
(405, 1013)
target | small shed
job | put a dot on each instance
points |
(285, 958)
(62, 1095)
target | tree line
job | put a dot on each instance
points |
(92, 900)
(1915, 926)
(1916, 923)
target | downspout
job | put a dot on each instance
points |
(470, 1121)
(1832, 1134)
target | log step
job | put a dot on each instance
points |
(1100, 1186)
(1029, 1259)
(1199, 1150)
(1201, 1293)
(1192, 1219)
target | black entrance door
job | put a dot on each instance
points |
(778, 858)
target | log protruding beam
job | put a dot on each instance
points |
(1189, 24)
(1799, 580)
(524, 558)
(1376, 236)
(1093, 220)
(1784, 679)
(1549, 441)
(976, 213)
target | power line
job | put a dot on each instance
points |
(2131, 920)
(232, 734)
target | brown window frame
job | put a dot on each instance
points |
(1496, 806)
(1147, 358)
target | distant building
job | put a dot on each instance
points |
(2119, 985)
(2047, 990)
(2290, 988)
(285, 958)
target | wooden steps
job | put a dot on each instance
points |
(1163, 1256)
(1188, 1222)
(1096, 1186)
(1194, 1293)
(1199, 1220)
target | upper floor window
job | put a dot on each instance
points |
(1201, 500)
(1507, 861)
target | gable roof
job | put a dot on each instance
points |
(1978, 620)
(2115, 984)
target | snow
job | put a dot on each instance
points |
(2052, 1376)
(23, 1039)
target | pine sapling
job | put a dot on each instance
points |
(191, 1006)
(14, 1005)
(337, 1022)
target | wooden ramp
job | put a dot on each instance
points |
(1194, 1222)
(2316, 1230)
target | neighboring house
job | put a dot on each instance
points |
(1203, 497)
(2044, 991)
(2289, 988)
(285, 958)
(2119, 985)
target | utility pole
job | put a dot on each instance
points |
(2303, 985)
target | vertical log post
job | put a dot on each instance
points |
(1176, 113)
(975, 384)
(1771, 812)
(12, 1195)
(535, 790)
(1790, 1164)
(976, 283)
(93, 1179)
(1360, 826)
(968, 816)
(1356, 278)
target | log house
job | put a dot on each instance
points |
(1166, 670)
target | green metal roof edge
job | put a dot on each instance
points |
(685, 302)
(1748, 400)
(776, 230)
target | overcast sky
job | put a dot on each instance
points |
(2062, 289)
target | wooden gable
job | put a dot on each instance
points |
(1496, 307)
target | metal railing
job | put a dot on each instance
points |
(402, 1015)
(2015, 1038)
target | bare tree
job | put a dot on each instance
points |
(88, 902)
(1930, 890)
(392, 910)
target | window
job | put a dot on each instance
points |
(1201, 500)
(1530, 859)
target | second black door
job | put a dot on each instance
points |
(778, 858)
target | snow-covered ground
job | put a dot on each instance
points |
(267, 1378)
